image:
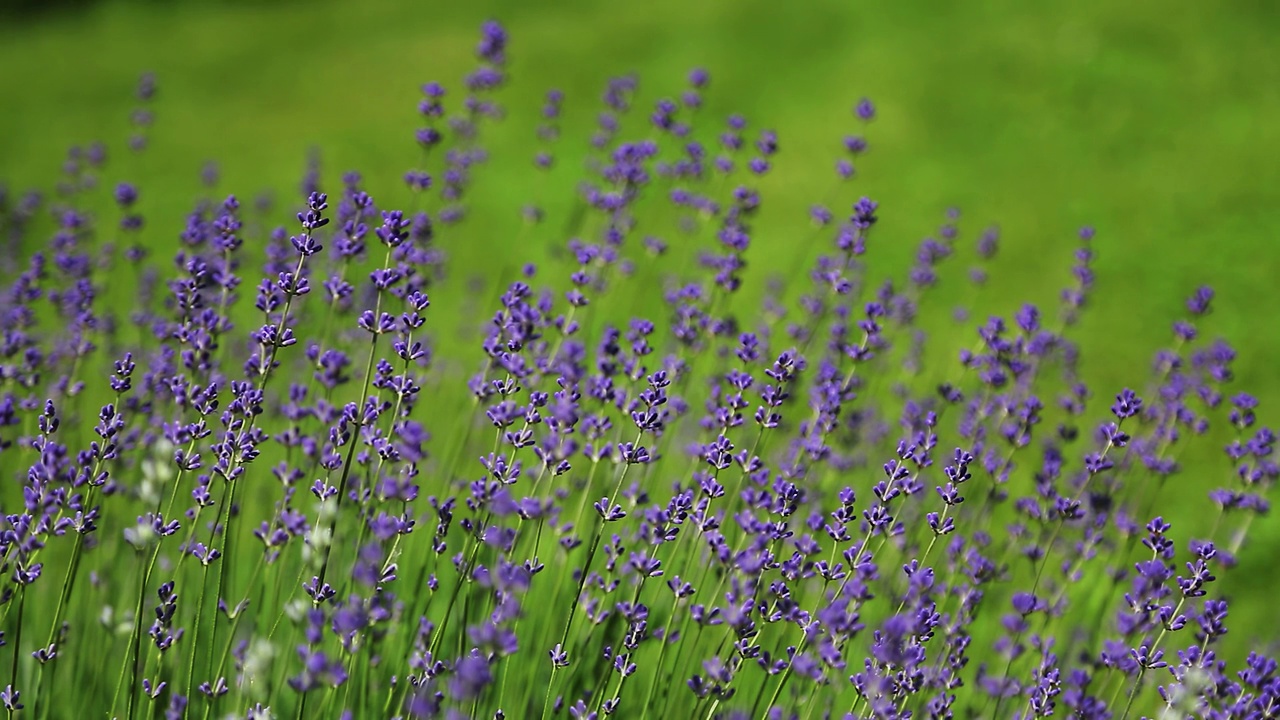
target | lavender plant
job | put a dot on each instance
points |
(237, 482)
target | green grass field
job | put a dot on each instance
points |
(1156, 122)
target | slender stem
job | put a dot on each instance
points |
(135, 641)
(17, 635)
(228, 501)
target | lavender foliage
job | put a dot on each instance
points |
(250, 472)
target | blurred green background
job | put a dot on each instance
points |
(1158, 122)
